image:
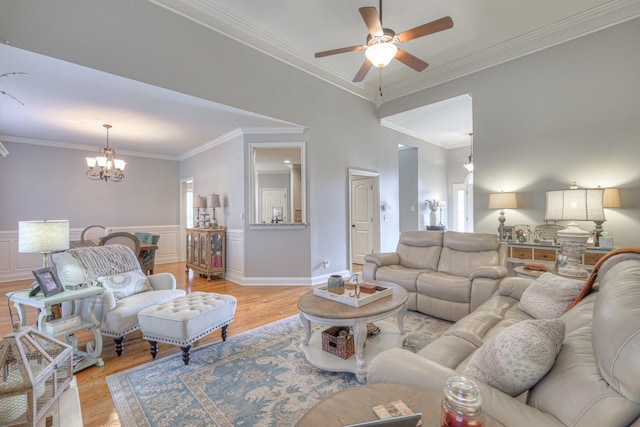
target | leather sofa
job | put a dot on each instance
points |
(118, 309)
(447, 274)
(594, 380)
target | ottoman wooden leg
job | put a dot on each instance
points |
(153, 348)
(185, 353)
(224, 332)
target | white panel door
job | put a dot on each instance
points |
(361, 219)
(270, 198)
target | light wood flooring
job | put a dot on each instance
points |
(257, 306)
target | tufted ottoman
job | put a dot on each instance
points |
(184, 320)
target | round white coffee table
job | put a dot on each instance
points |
(332, 313)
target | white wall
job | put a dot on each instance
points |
(568, 113)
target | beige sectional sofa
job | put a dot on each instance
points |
(593, 381)
(447, 274)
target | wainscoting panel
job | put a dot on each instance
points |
(17, 266)
(235, 255)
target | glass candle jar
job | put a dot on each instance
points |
(336, 284)
(461, 406)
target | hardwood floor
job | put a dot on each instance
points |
(257, 306)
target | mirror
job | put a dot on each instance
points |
(278, 183)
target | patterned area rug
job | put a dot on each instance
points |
(256, 378)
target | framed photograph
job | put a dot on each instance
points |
(507, 233)
(521, 233)
(48, 281)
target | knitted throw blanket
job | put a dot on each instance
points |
(594, 273)
(105, 260)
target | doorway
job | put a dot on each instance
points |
(463, 205)
(364, 221)
(186, 213)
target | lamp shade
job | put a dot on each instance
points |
(43, 236)
(216, 201)
(582, 204)
(199, 202)
(611, 198)
(442, 204)
(503, 201)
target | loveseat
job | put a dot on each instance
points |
(127, 289)
(447, 274)
(594, 380)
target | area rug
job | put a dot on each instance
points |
(256, 378)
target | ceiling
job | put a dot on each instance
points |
(52, 109)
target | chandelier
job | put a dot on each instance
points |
(469, 166)
(105, 166)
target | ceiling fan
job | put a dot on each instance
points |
(381, 47)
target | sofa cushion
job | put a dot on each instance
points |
(444, 286)
(125, 284)
(549, 296)
(402, 276)
(419, 249)
(616, 330)
(519, 356)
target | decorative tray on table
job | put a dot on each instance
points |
(347, 298)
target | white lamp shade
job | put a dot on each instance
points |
(442, 204)
(43, 236)
(119, 164)
(582, 204)
(380, 54)
(91, 161)
(503, 201)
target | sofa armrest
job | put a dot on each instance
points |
(404, 367)
(162, 281)
(514, 287)
(385, 258)
(488, 271)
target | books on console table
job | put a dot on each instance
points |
(346, 298)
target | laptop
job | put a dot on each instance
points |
(401, 421)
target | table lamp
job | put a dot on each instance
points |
(441, 204)
(502, 201)
(214, 202)
(43, 236)
(610, 199)
(199, 202)
(575, 204)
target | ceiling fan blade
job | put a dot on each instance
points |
(336, 51)
(412, 61)
(426, 29)
(372, 20)
(363, 71)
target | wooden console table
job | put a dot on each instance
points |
(206, 251)
(521, 252)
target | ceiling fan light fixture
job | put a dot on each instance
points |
(380, 54)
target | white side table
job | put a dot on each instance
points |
(92, 355)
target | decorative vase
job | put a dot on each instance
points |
(432, 218)
(336, 284)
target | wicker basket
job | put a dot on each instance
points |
(338, 346)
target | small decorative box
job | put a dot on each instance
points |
(368, 288)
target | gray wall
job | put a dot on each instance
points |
(568, 113)
(408, 205)
(39, 182)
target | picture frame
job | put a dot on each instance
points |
(507, 233)
(520, 233)
(48, 281)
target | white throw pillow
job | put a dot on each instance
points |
(549, 296)
(126, 284)
(518, 357)
(68, 269)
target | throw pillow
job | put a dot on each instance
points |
(518, 357)
(549, 296)
(125, 284)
